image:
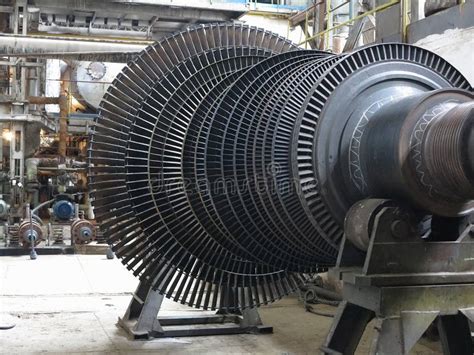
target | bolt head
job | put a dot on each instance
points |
(400, 228)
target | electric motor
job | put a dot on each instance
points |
(63, 210)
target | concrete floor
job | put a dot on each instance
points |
(70, 304)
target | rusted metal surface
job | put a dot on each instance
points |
(63, 118)
(43, 100)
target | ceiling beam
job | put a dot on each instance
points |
(115, 9)
(6, 9)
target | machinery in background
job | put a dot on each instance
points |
(61, 215)
(67, 213)
(82, 231)
(30, 230)
(4, 207)
(63, 208)
(66, 226)
(92, 79)
(40, 160)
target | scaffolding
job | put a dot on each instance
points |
(325, 23)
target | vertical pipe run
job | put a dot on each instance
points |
(328, 24)
(64, 112)
(404, 8)
(63, 116)
(306, 30)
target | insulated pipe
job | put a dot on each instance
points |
(82, 49)
(100, 32)
(42, 205)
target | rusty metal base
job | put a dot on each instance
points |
(141, 320)
(402, 314)
(405, 284)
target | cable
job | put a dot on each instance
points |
(6, 327)
(310, 309)
(318, 295)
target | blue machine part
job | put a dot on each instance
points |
(85, 233)
(3, 209)
(31, 235)
(63, 210)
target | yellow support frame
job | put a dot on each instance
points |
(404, 6)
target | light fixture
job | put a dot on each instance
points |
(7, 135)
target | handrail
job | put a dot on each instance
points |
(367, 13)
(340, 5)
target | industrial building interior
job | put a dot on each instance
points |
(237, 176)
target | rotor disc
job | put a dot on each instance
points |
(113, 207)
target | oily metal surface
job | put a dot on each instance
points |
(397, 66)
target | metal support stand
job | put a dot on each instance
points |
(33, 254)
(406, 284)
(141, 320)
(109, 253)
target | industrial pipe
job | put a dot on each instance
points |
(57, 47)
(43, 100)
(99, 32)
(63, 123)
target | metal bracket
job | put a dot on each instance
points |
(404, 297)
(141, 319)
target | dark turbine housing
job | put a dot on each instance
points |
(225, 158)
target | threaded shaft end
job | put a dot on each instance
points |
(446, 153)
